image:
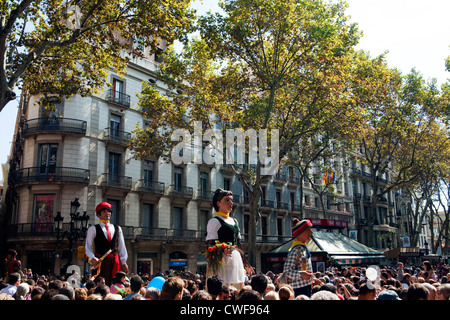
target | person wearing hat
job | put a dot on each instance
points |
(102, 237)
(298, 266)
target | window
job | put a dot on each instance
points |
(203, 181)
(246, 197)
(307, 200)
(279, 226)
(48, 154)
(178, 178)
(115, 127)
(246, 222)
(291, 173)
(355, 186)
(278, 196)
(263, 195)
(178, 221)
(118, 91)
(139, 45)
(51, 110)
(114, 167)
(148, 172)
(147, 216)
(159, 55)
(264, 225)
(203, 221)
(365, 213)
(226, 184)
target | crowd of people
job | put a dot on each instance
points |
(425, 282)
(236, 280)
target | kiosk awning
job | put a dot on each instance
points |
(340, 248)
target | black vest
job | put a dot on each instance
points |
(102, 245)
(228, 233)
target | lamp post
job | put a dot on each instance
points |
(78, 226)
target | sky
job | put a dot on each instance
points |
(414, 33)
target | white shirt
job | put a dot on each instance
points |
(10, 289)
(214, 225)
(121, 248)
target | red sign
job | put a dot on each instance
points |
(329, 223)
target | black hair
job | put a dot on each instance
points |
(218, 195)
(214, 284)
(259, 282)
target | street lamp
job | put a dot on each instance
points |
(78, 226)
(58, 220)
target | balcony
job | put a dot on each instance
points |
(52, 175)
(280, 178)
(116, 181)
(150, 233)
(205, 195)
(181, 191)
(118, 98)
(36, 230)
(367, 174)
(54, 125)
(382, 200)
(154, 187)
(282, 205)
(49, 230)
(267, 203)
(32, 230)
(382, 180)
(294, 180)
(117, 137)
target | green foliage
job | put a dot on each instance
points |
(281, 64)
(263, 65)
(67, 47)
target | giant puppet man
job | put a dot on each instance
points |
(103, 237)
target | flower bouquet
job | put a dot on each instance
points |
(215, 256)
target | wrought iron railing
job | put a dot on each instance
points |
(54, 124)
(116, 181)
(119, 98)
(52, 174)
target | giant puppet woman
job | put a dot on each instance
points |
(225, 229)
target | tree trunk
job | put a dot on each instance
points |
(252, 226)
(6, 96)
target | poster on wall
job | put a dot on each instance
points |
(353, 234)
(406, 242)
(43, 212)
